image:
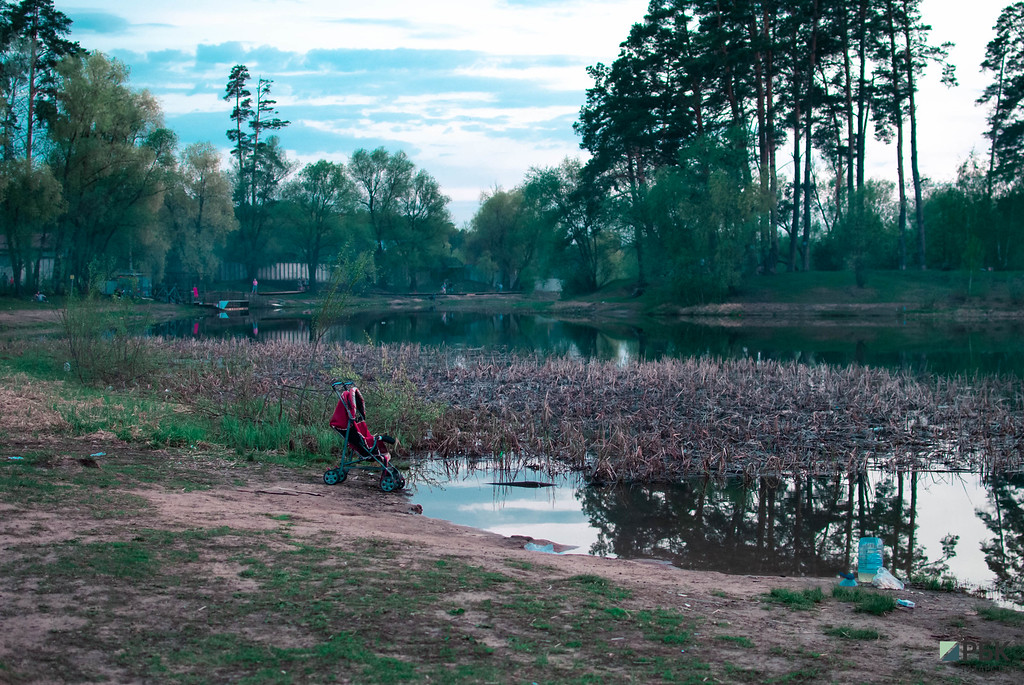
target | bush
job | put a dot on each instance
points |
(105, 340)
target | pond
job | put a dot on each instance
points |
(809, 527)
(916, 346)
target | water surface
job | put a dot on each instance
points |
(807, 527)
(916, 346)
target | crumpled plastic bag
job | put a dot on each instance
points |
(534, 547)
(886, 581)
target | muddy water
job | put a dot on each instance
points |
(769, 526)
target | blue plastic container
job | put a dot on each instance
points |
(869, 559)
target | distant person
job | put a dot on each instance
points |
(39, 297)
(255, 286)
(195, 295)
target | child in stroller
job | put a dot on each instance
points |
(361, 446)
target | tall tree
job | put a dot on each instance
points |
(504, 234)
(260, 163)
(573, 204)
(422, 238)
(238, 93)
(199, 211)
(321, 198)
(34, 40)
(890, 107)
(111, 156)
(1004, 57)
(383, 180)
(916, 56)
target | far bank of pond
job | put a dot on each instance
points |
(930, 346)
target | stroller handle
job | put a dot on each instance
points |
(346, 384)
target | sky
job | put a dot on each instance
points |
(476, 92)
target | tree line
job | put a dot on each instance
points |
(728, 138)
(91, 179)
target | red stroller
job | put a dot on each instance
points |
(360, 446)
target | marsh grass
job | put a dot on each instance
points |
(644, 422)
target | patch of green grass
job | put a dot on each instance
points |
(1009, 658)
(867, 602)
(798, 600)
(936, 583)
(738, 640)
(599, 586)
(851, 633)
(521, 565)
(1006, 616)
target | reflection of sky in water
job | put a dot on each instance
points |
(548, 513)
(946, 504)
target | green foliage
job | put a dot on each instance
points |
(111, 156)
(573, 206)
(800, 600)
(506, 237)
(864, 238)
(104, 339)
(705, 216)
(867, 602)
(198, 212)
(1000, 615)
(319, 200)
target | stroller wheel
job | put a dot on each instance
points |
(335, 476)
(391, 479)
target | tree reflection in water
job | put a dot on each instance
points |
(798, 526)
(1004, 553)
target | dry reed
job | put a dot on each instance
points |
(651, 421)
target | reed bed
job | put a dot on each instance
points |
(646, 421)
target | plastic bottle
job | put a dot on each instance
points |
(869, 559)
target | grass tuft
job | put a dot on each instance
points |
(851, 633)
(800, 601)
(867, 602)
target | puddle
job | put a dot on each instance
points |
(809, 526)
